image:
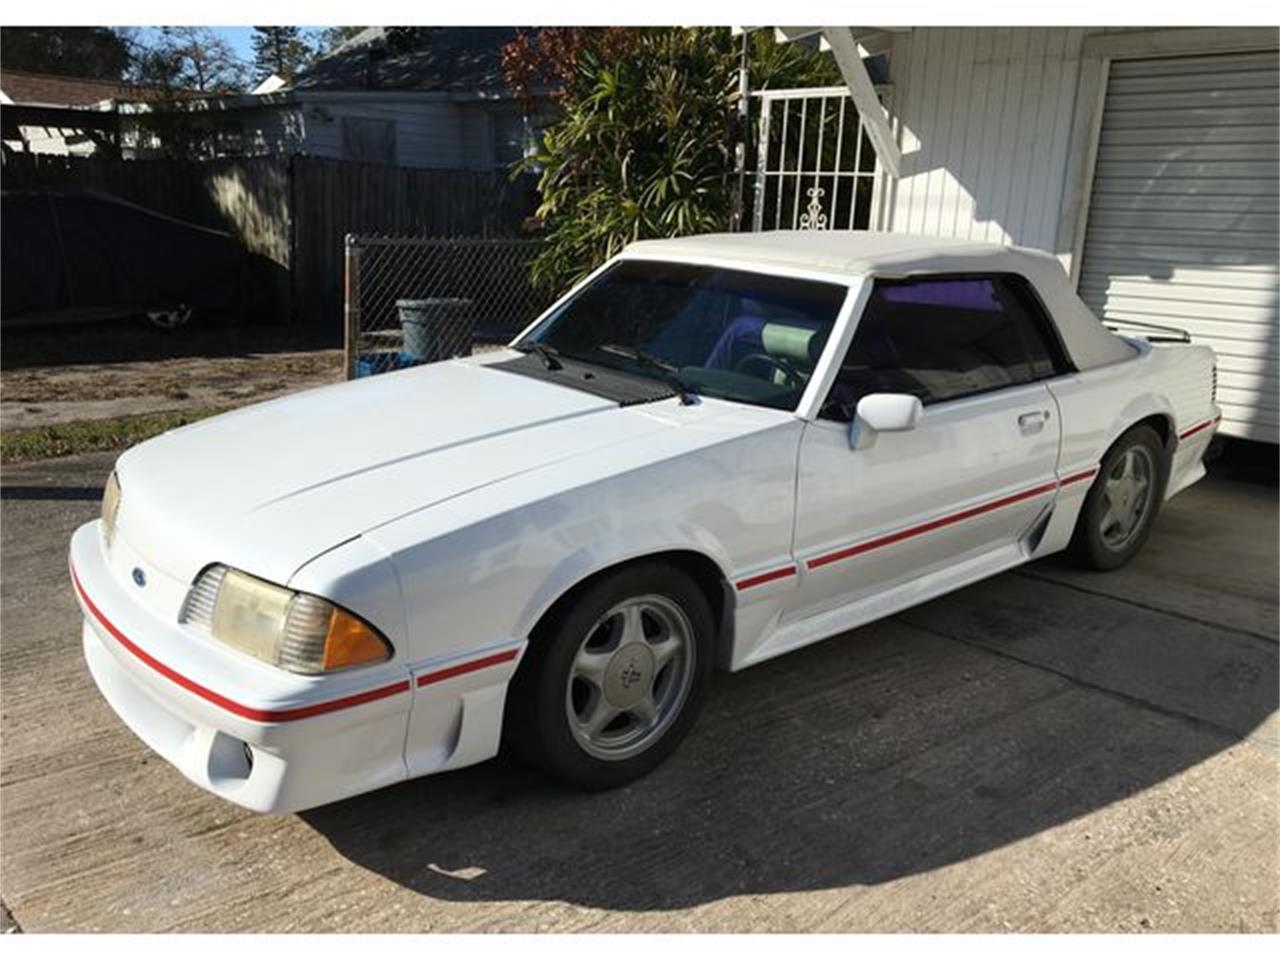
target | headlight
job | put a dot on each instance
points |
(295, 631)
(110, 507)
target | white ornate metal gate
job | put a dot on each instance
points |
(815, 166)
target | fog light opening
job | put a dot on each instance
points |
(230, 761)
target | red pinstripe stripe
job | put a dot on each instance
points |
(768, 577)
(852, 551)
(1198, 427)
(226, 703)
(1077, 477)
(468, 667)
(884, 541)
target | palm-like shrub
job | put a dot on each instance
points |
(644, 147)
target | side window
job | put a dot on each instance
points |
(941, 338)
(1045, 354)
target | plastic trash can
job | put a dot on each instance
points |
(436, 328)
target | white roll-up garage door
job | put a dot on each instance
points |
(1184, 224)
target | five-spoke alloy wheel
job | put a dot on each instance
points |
(1122, 503)
(1127, 492)
(630, 677)
(614, 676)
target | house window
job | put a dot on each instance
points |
(368, 141)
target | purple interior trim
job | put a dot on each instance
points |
(966, 294)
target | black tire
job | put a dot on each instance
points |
(536, 724)
(1088, 548)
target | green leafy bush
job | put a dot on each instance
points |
(645, 144)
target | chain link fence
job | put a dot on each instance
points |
(412, 300)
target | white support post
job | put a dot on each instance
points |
(845, 50)
(762, 167)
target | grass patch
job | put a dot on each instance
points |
(86, 436)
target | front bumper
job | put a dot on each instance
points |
(254, 735)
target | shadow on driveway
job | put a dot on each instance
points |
(958, 728)
(19, 492)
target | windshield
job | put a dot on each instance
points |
(734, 334)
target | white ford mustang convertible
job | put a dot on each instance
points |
(711, 452)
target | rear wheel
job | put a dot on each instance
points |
(1123, 502)
(615, 678)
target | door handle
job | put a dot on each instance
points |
(1033, 422)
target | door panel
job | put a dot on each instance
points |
(972, 477)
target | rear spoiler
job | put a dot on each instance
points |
(1159, 332)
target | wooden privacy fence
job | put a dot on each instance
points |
(250, 198)
(333, 199)
(297, 210)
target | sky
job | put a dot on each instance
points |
(238, 37)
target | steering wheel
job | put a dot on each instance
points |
(788, 369)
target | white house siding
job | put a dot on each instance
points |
(477, 136)
(994, 148)
(985, 115)
(272, 130)
(428, 133)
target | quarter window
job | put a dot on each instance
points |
(940, 338)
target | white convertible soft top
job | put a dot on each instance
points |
(866, 254)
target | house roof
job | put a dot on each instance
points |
(413, 58)
(870, 254)
(50, 89)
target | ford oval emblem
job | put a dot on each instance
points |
(139, 577)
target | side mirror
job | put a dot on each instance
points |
(883, 413)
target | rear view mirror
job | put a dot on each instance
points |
(883, 413)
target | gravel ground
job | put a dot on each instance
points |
(95, 371)
(40, 395)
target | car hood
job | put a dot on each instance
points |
(269, 487)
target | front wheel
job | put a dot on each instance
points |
(615, 678)
(1123, 502)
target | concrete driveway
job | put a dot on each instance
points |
(1047, 750)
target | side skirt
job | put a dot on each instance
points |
(861, 612)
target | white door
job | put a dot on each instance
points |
(1184, 218)
(970, 481)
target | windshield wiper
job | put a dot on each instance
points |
(666, 371)
(550, 356)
